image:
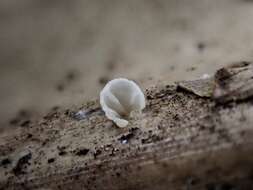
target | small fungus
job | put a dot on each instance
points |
(119, 98)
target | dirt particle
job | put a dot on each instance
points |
(50, 160)
(117, 174)
(150, 97)
(61, 150)
(113, 151)
(21, 163)
(176, 117)
(134, 130)
(5, 162)
(221, 75)
(51, 115)
(107, 147)
(25, 123)
(125, 138)
(68, 112)
(62, 153)
(96, 153)
(81, 152)
(151, 139)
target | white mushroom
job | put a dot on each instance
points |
(119, 98)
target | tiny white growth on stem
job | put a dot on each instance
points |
(119, 98)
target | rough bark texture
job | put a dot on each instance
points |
(193, 135)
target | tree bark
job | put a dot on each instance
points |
(192, 135)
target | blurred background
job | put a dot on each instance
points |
(62, 52)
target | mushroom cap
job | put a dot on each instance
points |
(119, 98)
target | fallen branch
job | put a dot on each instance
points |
(193, 135)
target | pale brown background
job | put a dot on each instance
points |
(60, 52)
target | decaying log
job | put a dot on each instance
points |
(192, 135)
